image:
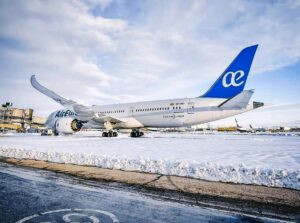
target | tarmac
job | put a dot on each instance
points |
(282, 203)
(36, 195)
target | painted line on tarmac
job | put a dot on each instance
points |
(28, 218)
(77, 212)
(55, 211)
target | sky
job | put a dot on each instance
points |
(115, 51)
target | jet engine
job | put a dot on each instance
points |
(67, 125)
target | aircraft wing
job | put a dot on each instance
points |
(107, 118)
(83, 112)
(240, 101)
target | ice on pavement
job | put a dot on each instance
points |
(250, 159)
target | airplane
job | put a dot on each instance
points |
(243, 129)
(257, 129)
(225, 98)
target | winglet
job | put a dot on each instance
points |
(48, 92)
(84, 113)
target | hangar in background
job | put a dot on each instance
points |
(21, 120)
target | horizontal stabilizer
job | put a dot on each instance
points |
(240, 101)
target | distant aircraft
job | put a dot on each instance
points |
(225, 98)
(244, 130)
(257, 129)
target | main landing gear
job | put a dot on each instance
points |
(110, 134)
(136, 133)
(109, 128)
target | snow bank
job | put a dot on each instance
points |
(263, 160)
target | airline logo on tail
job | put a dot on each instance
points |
(235, 78)
(232, 81)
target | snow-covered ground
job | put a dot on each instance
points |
(251, 159)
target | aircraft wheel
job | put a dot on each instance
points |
(135, 134)
(115, 134)
(104, 134)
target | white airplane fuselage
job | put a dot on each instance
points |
(169, 113)
(162, 113)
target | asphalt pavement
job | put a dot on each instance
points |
(30, 195)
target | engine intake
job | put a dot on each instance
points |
(67, 125)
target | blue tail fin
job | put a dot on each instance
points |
(233, 79)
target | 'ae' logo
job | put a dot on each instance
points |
(234, 78)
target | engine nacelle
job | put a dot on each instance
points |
(67, 125)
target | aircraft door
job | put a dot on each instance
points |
(131, 111)
(190, 107)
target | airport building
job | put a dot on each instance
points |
(18, 119)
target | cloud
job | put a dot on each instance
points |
(58, 34)
(101, 97)
(118, 51)
(192, 42)
(57, 41)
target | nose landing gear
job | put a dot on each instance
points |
(136, 133)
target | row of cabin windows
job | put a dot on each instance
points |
(151, 109)
(177, 107)
(143, 109)
(110, 112)
(155, 109)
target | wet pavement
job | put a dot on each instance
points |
(29, 195)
